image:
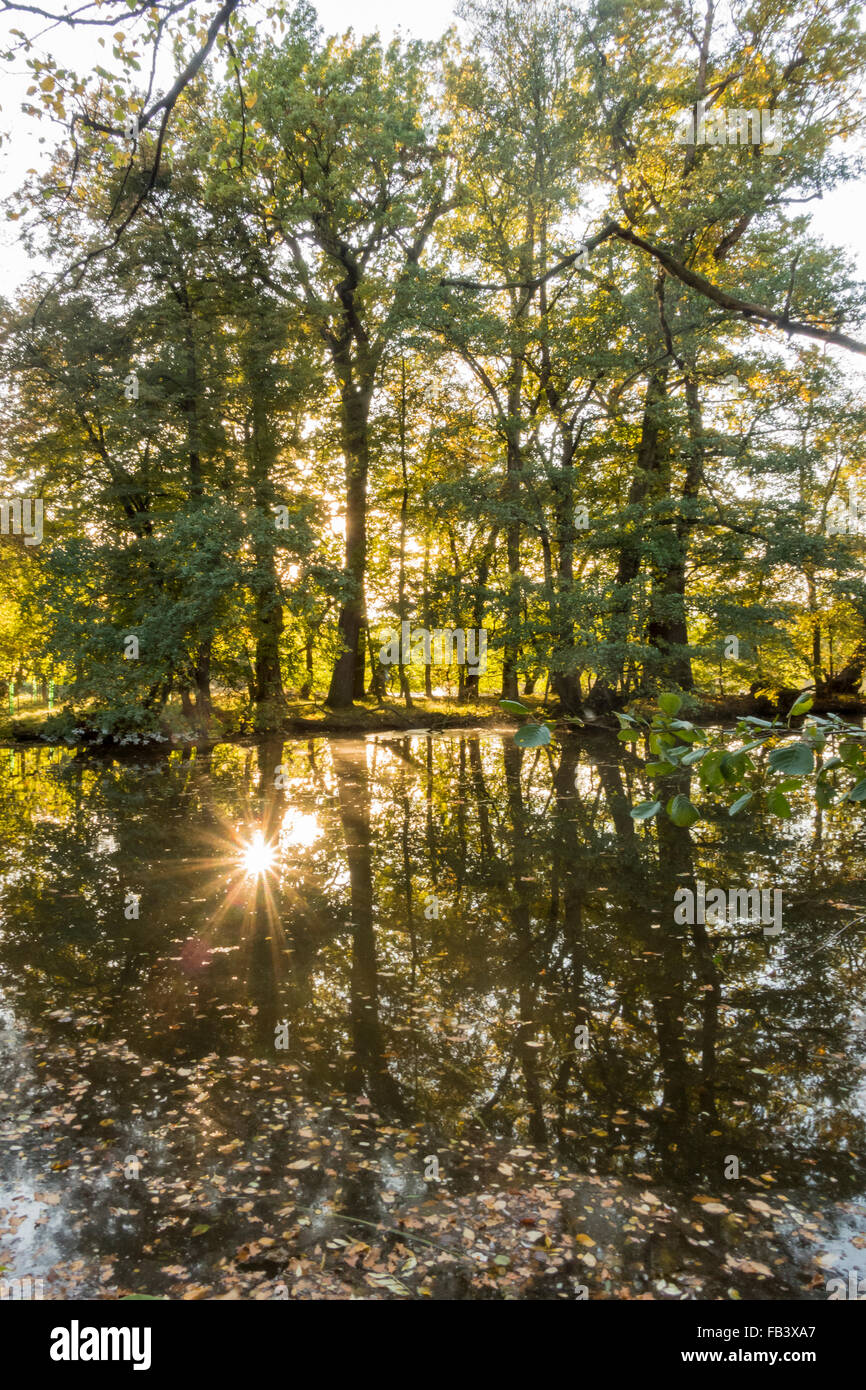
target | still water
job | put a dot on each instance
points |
(412, 1016)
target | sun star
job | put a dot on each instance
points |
(257, 857)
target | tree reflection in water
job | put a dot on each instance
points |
(474, 950)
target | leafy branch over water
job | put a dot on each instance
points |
(752, 765)
(536, 732)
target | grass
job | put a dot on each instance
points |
(233, 721)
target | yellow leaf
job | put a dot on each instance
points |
(759, 1206)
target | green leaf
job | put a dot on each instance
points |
(660, 741)
(740, 802)
(858, 791)
(658, 769)
(850, 752)
(797, 758)
(732, 766)
(687, 731)
(801, 705)
(779, 805)
(532, 736)
(694, 756)
(629, 735)
(682, 812)
(755, 743)
(645, 809)
(824, 794)
(669, 703)
(710, 770)
(200, 1230)
(513, 707)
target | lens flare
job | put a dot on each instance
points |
(257, 857)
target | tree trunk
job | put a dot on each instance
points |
(268, 695)
(644, 485)
(201, 676)
(347, 680)
(668, 628)
(404, 516)
(307, 687)
(473, 678)
(514, 465)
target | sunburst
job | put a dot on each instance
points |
(257, 856)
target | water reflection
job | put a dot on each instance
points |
(258, 856)
(472, 953)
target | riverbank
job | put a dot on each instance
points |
(40, 726)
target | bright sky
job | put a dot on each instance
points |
(425, 21)
(839, 218)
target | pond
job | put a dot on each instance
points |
(415, 1015)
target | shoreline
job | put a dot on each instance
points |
(362, 719)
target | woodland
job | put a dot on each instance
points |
(433, 621)
(327, 334)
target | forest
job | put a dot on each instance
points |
(476, 335)
(432, 632)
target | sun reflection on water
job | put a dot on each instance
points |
(257, 857)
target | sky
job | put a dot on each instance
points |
(839, 218)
